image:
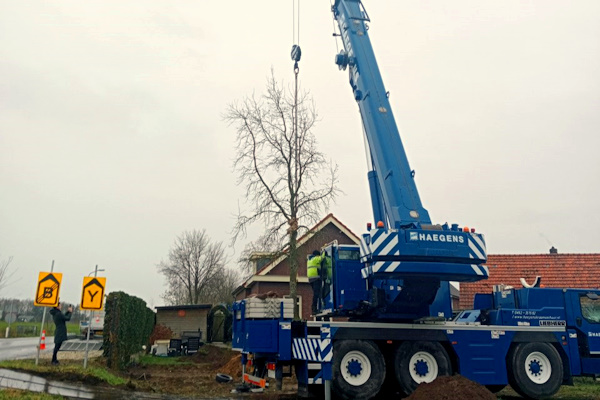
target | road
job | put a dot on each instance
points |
(19, 348)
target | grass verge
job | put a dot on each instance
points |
(11, 394)
(72, 371)
(32, 329)
(583, 389)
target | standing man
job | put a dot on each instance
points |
(313, 271)
(60, 334)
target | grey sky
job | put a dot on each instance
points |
(112, 142)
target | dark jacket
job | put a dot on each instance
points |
(60, 335)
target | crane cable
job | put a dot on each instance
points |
(296, 55)
(296, 22)
(296, 52)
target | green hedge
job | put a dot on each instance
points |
(128, 325)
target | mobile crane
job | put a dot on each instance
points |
(393, 289)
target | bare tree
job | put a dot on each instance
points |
(194, 264)
(5, 273)
(288, 181)
(222, 291)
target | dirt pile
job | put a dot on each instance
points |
(214, 356)
(451, 388)
(233, 367)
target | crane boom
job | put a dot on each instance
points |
(391, 174)
(408, 244)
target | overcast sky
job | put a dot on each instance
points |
(112, 141)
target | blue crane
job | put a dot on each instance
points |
(405, 242)
(393, 289)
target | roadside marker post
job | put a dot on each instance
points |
(92, 298)
(92, 295)
(46, 295)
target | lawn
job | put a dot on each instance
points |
(11, 394)
(67, 371)
(584, 389)
(32, 329)
(192, 375)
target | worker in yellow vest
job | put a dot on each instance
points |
(326, 274)
(313, 271)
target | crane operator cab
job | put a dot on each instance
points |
(349, 291)
(344, 289)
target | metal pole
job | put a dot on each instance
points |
(327, 390)
(37, 357)
(12, 304)
(87, 341)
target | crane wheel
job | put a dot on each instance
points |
(535, 370)
(358, 369)
(420, 362)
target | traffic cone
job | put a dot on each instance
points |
(43, 341)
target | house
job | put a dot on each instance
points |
(274, 275)
(556, 271)
(185, 318)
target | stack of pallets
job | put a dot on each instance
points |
(269, 308)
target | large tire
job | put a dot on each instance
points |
(535, 370)
(358, 369)
(420, 362)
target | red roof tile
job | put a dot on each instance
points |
(556, 270)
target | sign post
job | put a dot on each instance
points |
(92, 298)
(46, 295)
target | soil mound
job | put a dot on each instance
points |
(213, 355)
(451, 388)
(233, 367)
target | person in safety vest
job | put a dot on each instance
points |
(313, 271)
(326, 274)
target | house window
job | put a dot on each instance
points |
(259, 259)
(298, 301)
(261, 263)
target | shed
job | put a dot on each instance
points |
(184, 318)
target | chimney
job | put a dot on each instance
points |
(553, 250)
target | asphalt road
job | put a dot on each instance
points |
(19, 348)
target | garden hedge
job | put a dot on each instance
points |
(128, 325)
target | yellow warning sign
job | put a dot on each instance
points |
(92, 295)
(48, 287)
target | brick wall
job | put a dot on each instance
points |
(326, 235)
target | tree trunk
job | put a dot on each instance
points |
(293, 258)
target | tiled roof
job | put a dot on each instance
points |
(329, 218)
(556, 270)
